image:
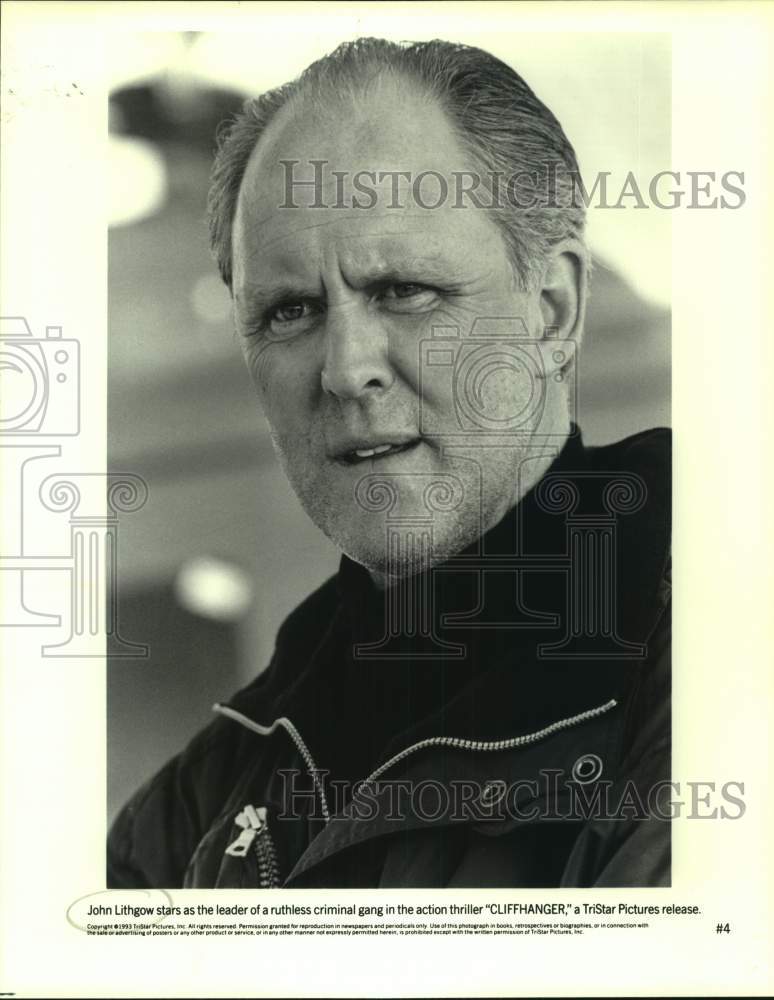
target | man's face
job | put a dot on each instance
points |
(335, 308)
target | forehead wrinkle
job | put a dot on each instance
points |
(253, 226)
(392, 259)
(268, 244)
(419, 267)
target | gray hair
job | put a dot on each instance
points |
(499, 121)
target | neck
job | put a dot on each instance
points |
(531, 474)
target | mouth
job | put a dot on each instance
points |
(376, 452)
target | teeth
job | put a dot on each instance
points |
(369, 452)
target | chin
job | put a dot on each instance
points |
(410, 561)
(405, 550)
(401, 540)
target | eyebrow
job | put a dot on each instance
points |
(258, 297)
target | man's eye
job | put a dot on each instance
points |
(290, 319)
(289, 313)
(403, 290)
(408, 296)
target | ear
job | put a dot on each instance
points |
(563, 295)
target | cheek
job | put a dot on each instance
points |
(484, 389)
(258, 359)
(506, 387)
(284, 387)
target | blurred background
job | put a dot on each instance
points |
(222, 551)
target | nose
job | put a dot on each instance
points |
(357, 362)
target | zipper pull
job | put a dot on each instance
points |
(252, 821)
(241, 845)
(253, 818)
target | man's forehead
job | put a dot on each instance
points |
(292, 210)
(387, 116)
(339, 145)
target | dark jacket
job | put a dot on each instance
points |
(542, 763)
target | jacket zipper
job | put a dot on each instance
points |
(508, 744)
(294, 734)
(432, 741)
(255, 834)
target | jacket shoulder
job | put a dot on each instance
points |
(643, 525)
(648, 451)
(155, 833)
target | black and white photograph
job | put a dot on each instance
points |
(383, 428)
(479, 692)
